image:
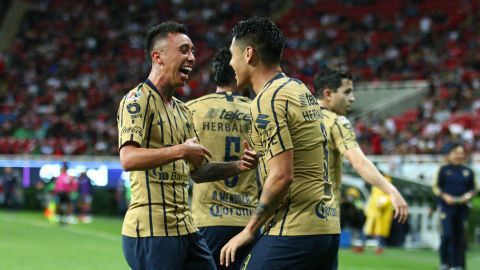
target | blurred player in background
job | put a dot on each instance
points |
(157, 144)
(334, 91)
(65, 190)
(296, 204)
(222, 120)
(454, 185)
(85, 193)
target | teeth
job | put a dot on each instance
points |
(187, 68)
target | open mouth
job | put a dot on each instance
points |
(185, 70)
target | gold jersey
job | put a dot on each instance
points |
(159, 203)
(340, 139)
(285, 115)
(222, 122)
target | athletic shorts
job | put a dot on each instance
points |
(310, 252)
(189, 252)
(217, 236)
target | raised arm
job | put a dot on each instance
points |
(214, 171)
(134, 158)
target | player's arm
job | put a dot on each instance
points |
(365, 168)
(134, 158)
(465, 198)
(214, 171)
(274, 190)
(437, 189)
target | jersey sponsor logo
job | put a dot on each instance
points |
(228, 127)
(220, 211)
(134, 96)
(136, 130)
(312, 115)
(262, 121)
(135, 116)
(325, 212)
(169, 176)
(133, 108)
(227, 115)
(466, 173)
(307, 100)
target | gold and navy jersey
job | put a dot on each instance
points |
(159, 203)
(285, 115)
(222, 122)
(340, 139)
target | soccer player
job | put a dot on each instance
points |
(222, 120)
(296, 204)
(334, 91)
(158, 146)
(454, 185)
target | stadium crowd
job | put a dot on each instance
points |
(62, 78)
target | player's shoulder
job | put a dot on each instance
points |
(202, 99)
(136, 93)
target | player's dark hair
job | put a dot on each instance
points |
(222, 72)
(449, 147)
(329, 78)
(263, 35)
(161, 31)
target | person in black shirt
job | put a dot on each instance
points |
(454, 185)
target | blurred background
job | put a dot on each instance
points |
(65, 65)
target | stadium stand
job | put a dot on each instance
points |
(61, 79)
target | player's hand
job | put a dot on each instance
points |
(194, 152)
(400, 205)
(449, 199)
(465, 198)
(227, 254)
(249, 159)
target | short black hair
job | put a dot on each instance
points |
(331, 79)
(161, 31)
(449, 147)
(222, 73)
(262, 34)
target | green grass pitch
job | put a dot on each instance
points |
(29, 241)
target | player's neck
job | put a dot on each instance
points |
(223, 89)
(324, 104)
(262, 75)
(161, 84)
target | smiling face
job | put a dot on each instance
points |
(175, 55)
(239, 65)
(342, 100)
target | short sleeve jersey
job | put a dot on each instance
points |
(159, 202)
(222, 121)
(285, 116)
(340, 139)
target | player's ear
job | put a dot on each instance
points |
(157, 57)
(251, 56)
(327, 93)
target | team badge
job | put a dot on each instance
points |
(466, 173)
(133, 108)
(134, 96)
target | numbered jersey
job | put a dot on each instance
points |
(222, 122)
(340, 139)
(286, 116)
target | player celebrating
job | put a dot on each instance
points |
(296, 203)
(334, 90)
(157, 144)
(222, 120)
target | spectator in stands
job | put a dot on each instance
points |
(455, 187)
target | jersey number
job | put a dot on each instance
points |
(232, 181)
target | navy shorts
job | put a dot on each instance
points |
(310, 252)
(217, 236)
(189, 252)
